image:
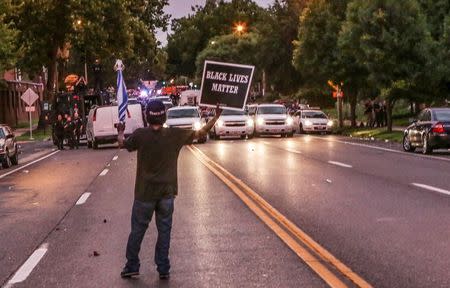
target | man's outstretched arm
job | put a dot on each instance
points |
(205, 129)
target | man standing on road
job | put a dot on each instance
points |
(69, 130)
(58, 130)
(78, 125)
(156, 182)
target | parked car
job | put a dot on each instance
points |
(312, 121)
(9, 150)
(101, 125)
(430, 131)
(185, 117)
(233, 123)
(272, 119)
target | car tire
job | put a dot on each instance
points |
(94, 144)
(243, 137)
(15, 159)
(6, 163)
(202, 140)
(89, 144)
(250, 136)
(257, 135)
(216, 137)
(406, 144)
(290, 135)
(426, 149)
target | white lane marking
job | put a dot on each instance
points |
(29, 164)
(340, 164)
(104, 172)
(83, 198)
(431, 188)
(27, 267)
(115, 158)
(383, 149)
(292, 150)
(282, 148)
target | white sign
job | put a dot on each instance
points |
(30, 109)
(29, 97)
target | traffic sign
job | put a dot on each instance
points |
(30, 109)
(29, 97)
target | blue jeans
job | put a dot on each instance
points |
(140, 218)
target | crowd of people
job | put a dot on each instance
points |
(376, 113)
(67, 128)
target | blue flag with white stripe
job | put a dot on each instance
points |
(122, 96)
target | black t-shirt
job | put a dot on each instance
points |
(157, 159)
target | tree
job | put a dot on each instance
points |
(317, 54)
(192, 34)
(230, 48)
(390, 38)
(90, 28)
(8, 47)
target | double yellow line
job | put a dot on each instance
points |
(312, 253)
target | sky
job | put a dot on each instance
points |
(180, 8)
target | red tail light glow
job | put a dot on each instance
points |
(95, 115)
(438, 128)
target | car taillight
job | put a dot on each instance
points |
(438, 128)
(128, 113)
(95, 116)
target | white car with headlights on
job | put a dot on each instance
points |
(312, 121)
(273, 119)
(233, 123)
(185, 117)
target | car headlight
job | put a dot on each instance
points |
(260, 121)
(250, 122)
(165, 125)
(330, 123)
(219, 123)
(289, 121)
(308, 123)
(197, 126)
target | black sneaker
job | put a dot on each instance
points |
(164, 276)
(128, 273)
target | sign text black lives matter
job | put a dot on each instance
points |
(226, 84)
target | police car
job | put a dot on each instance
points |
(233, 123)
(185, 117)
(312, 120)
(273, 119)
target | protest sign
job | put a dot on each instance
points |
(226, 84)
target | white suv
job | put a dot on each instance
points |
(233, 123)
(312, 121)
(185, 117)
(272, 119)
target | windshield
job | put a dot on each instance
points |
(316, 115)
(182, 113)
(226, 112)
(2, 134)
(442, 115)
(271, 110)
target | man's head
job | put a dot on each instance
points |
(155, 113)
(75, 115)
(60, 117)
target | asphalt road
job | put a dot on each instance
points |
(382, 213)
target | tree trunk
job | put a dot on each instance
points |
(389, 108)
(52, 73)
(340, 112)
(353, 101)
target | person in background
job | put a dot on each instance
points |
(156, 182)
(78, 129)
(58, 130)
(69, 132)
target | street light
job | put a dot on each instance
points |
(240, 28)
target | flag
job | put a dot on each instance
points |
(122, 96)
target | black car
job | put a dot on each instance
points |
(430, 131)
(9, 151)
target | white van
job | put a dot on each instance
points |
(102, 120)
